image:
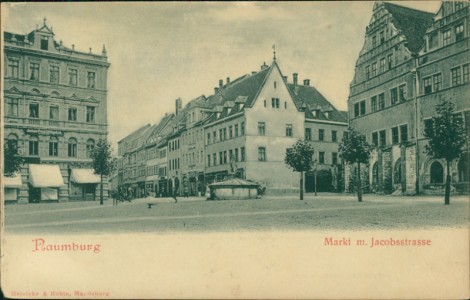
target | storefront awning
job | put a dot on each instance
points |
(42, 176)
(13, 181)
(84, 176)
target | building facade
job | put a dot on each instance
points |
(55, 101)
(410, 60)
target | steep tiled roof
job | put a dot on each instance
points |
(307, 96)
(412, 23)
(157, 129)
(136, 133)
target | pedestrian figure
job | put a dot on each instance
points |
(176, 186)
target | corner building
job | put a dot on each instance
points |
(405, 67)
(55, 101)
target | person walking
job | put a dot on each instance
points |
(176, 186)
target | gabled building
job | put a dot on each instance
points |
(407, 54)
(55, 100)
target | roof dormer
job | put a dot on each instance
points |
(43, 38)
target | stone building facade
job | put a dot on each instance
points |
(55, 101)
(406, 66)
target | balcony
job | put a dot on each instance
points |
(55, 124)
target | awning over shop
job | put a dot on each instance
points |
(13, 181)
(42, 176)
(84, 176)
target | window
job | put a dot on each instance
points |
(214, 159)
(214, 136)
(373, 103)
(394, 96)
(221, 158)
(242, 128)
(427, 85)
(230, 155)
(334, 158)
(382, 65)
(437, 172)
(321, 157)
(54, 74)
(383, 137)
(446, 37)
(225, 157)
(363, 107)
(395, 135)
(208, 139)
(285, 104)
(433, 41)
(225, 134)
(34, 71)
(356, 110)
(274, 84)
(367, 72)
(90, 114)
(404, 133)
(91, 80)
(90, 145)
(375, 138)
(390, 60)
(456, 76)
(381, 101)
(72, 147)
(13, 66)
(242, 154)
(264, 102)
(236, 130)
(209, 160)
(44, 43)
(334, 136)
(53, 146)
(289, 130)
(465, 73)
(261, 153)
(236, 154)
(33, 145)
(459, 32)
(230, 132)
(374, 69)
(54, 113)
(261, 128)
(382, 37)
(221, 134)
(34, 110)
(458, 5)
(402, 92)
(437, 82)
(12, 107)
(374, 41)
(73, 77)
(273, 102)
(308, 134)
(321, 134)
(12, 141)
(277, 102)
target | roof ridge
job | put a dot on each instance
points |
(409, 8)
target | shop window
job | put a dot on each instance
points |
(436, 172)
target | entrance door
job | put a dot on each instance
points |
(34, 195)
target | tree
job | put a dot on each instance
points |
(446, 138)
(102, 162)
(354, 149)
(11, 160)
(300, 158)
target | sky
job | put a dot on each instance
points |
(160, 51)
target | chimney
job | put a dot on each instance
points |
(221, 83)
(228, 80)
(178, 105)
(295, 78)
(216, 90)
(284, 78)
(264, 66)
(306, 81)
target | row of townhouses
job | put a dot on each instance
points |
(410, 61)
(243, 128)
(55, 111)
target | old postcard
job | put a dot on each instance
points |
(240, 150)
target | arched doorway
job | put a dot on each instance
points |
(464, 168)
(397, 172)
(436, 172)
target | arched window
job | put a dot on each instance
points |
(72, 147)
(464, 168)
(53, 146)
(90, 145)
(437, 172)
(397, 172)
(33, 145)
(12, 141)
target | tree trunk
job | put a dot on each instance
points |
(447, 191)
(359, 186)
(301, 185)
(101, 190)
